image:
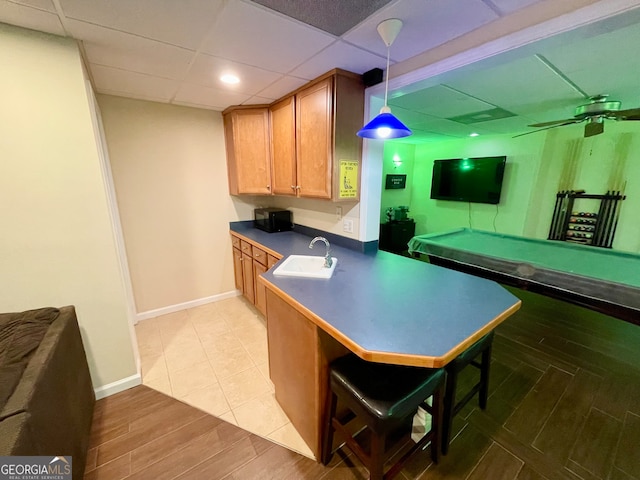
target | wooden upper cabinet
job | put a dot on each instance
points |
(314, 137)
(296, 145)
(283, 147)
(247, 141)
(329, 113)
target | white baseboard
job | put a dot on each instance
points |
(118, 386)
(183, 306)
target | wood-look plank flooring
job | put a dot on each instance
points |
(564, 404)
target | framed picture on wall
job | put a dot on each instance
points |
(395, 181)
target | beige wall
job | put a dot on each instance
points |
(169, 171)
(320, 214)
(57, 244)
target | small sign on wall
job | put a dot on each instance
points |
(348, 179)
(395, 181)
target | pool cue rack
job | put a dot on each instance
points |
(597, 229)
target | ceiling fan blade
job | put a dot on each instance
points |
(566, 121)
(593, 128)
(546, 128)
(630, 114)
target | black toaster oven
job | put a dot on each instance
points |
(272, 219)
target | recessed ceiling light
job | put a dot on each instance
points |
(474, 134)
(229, 78)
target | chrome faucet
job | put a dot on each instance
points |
(328, 261)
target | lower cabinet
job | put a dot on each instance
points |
(299, 357)
(249, 262)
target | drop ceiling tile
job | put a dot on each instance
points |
(41, 4)
(425, 136)
(254, 35)
(182, 23)
(283, 86)
(426, 25)
(596, 50)
(130, 84)
(327, 15)
(340, 55)
(201, 96)
(440, 101)
(111, 48)
(33, 18)
(416, 120)
(602, 62)
(510, 6)
(207, 70)
(522, 85)
(507, 125)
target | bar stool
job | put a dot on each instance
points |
(481, 348)
(384, 397)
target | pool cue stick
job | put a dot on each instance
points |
(553, 229)
(615, 224)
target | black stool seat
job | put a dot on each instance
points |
(384, 397)
(482, 349)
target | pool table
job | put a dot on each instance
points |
(601, 279)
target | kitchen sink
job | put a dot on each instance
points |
(310, 266)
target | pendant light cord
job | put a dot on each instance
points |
(386, 83)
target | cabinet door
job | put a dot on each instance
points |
(237, 269)
(283, 147)
(248, 278)
(248, 151)
(314, 138)
(260, 290)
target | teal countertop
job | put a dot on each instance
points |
(390, 304)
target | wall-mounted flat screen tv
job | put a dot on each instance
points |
(477, 180)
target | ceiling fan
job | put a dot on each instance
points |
(594, 113)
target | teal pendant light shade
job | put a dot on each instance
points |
(385, 125)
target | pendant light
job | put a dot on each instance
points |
(386, 125)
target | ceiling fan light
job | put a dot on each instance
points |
(384, 126)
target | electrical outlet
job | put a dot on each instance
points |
(338, 213)
(347, 225)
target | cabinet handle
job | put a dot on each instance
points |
(297, 187)
(268, 187)
(293, 187)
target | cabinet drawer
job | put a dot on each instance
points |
(235, 242)
(246, 248)
(260, 256)
(271, 261)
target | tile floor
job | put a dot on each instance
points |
(215, 358)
